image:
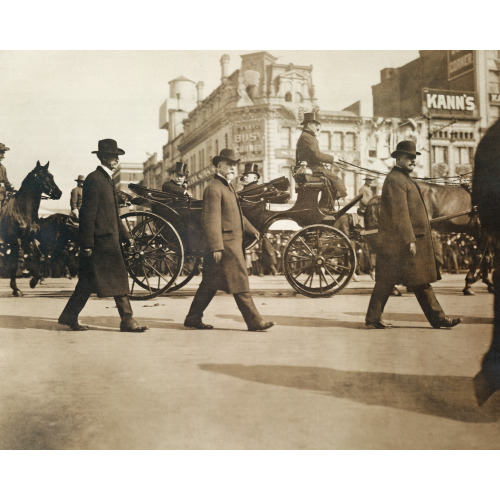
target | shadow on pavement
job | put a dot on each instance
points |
(419, 317)
(440, 396)
(95, 323)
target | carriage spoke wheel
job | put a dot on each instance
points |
(156, 259)
(319, 261)
(190, 269)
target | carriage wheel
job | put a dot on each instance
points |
(319, 261)
(155, 261)
(190, 268)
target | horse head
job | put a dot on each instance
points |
(45, 181)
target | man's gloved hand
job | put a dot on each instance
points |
(87, 252)
(413, 249)
(217, 256)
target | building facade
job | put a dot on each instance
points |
(450, 99)
(126, 173)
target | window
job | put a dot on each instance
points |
(324, 140)
(217, 151)
(463, 156)
(298, 97)
(286, 141)
(226, 142)
(337, 141)
(439, 154)
(350, 142)
(288, 97)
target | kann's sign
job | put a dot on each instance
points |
(449, 103)
(460, 62)
(495, 99)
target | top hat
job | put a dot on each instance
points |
(180, 168)
(3, 147)
(80, 178)
(310, 117)
(251, 168)
(407, 147)
(225, 154)
(108, 146)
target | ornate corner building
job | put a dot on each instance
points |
(444, 101)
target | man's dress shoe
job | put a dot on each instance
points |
(197, 324)
(131, 325)
(263, 325)
(377, 325)
(73, 324)
(448, 322)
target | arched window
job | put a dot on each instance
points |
(298, 97)
(216, 147)
(288, 97)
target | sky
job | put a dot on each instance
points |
(56, 105)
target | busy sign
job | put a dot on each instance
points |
(248, 138)
(460, 62)
(449, 103)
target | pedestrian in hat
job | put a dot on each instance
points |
(405, 254)
(250, 175)
(102, 268)
(224, 267)
(5, 185)
(75, 200)
(176, 184)
(308, 150)
(367, 190)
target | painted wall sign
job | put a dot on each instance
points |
(449, 103)
(248, 138)
(460, 62)
(495, 98)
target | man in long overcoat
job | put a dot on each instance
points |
(102, 268)
(224, 268)
(76, 197)
(308, 150)
(405, 254)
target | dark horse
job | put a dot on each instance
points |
(486, 196)
(19, 222)
(443, 201)
(59, 246)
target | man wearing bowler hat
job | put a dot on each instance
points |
(102, 268)
(250, 175)
(5, 185)
(177, 181)
(224, 266)
(76, 196)
(407, 255)
(308, 151)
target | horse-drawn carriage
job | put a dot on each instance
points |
(318, 260)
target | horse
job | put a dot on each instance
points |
(19, 222)
(58, 245)
(443, 201)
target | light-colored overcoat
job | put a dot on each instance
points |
(223, 226)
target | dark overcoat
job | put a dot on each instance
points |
(223, 226)
(101, 229)
(308, 150)
(174, 188)
(403, 220)
(268, 253)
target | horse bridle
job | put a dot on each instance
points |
(46, 188)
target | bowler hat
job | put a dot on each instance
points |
(81, 178)
(3, 147)
(108, 146)
(225, 154)
(407, 147)
(310, 117)
(180, 168)
(251, 168)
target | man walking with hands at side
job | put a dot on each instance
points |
(224, 266)
(102, 268)
(407, 255)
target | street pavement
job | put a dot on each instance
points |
(317, 380)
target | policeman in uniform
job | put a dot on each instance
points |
(5, 185)
(177, 183)
(308, 151)
(76, 196)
